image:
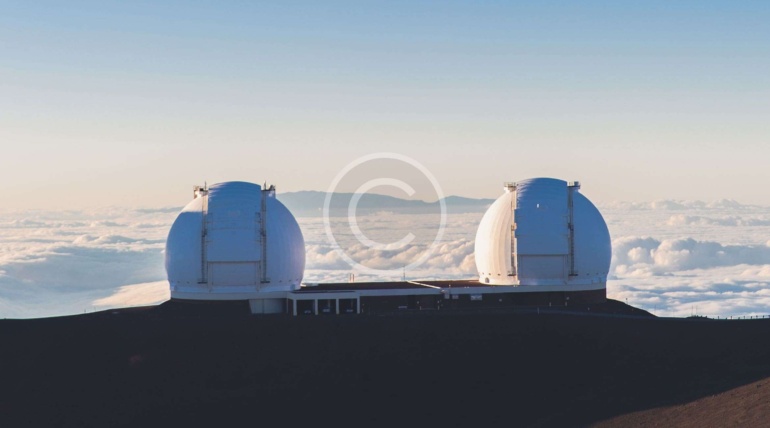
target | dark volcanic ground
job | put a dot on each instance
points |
(744, 406)
(162, 365)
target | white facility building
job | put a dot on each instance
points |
(541, 243)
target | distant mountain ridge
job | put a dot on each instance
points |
(311, 202)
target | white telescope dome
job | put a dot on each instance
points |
(543, 231)
(234, 241)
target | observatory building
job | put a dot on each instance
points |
(235, 241)
(541, 243)
(543, 233)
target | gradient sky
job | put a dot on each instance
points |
(131, 103)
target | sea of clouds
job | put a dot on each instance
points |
(673, 258)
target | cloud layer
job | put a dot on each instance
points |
(635, 256)
(674, 258)
(59, 263)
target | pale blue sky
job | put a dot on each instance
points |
(106, 103)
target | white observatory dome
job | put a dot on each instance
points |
(542, 231)
(234, 241)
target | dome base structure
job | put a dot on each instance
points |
(401, 296)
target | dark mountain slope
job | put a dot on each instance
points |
(154, 366)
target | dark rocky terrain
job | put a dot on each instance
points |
(744, 406)
(169, 365)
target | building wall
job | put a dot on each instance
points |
(377, 304)
(324, 303)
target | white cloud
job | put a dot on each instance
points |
(676, 205)
(58, 263)
(149, 293)
(635, 256)
(696, 220)
(713, 259)
(726, 291)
